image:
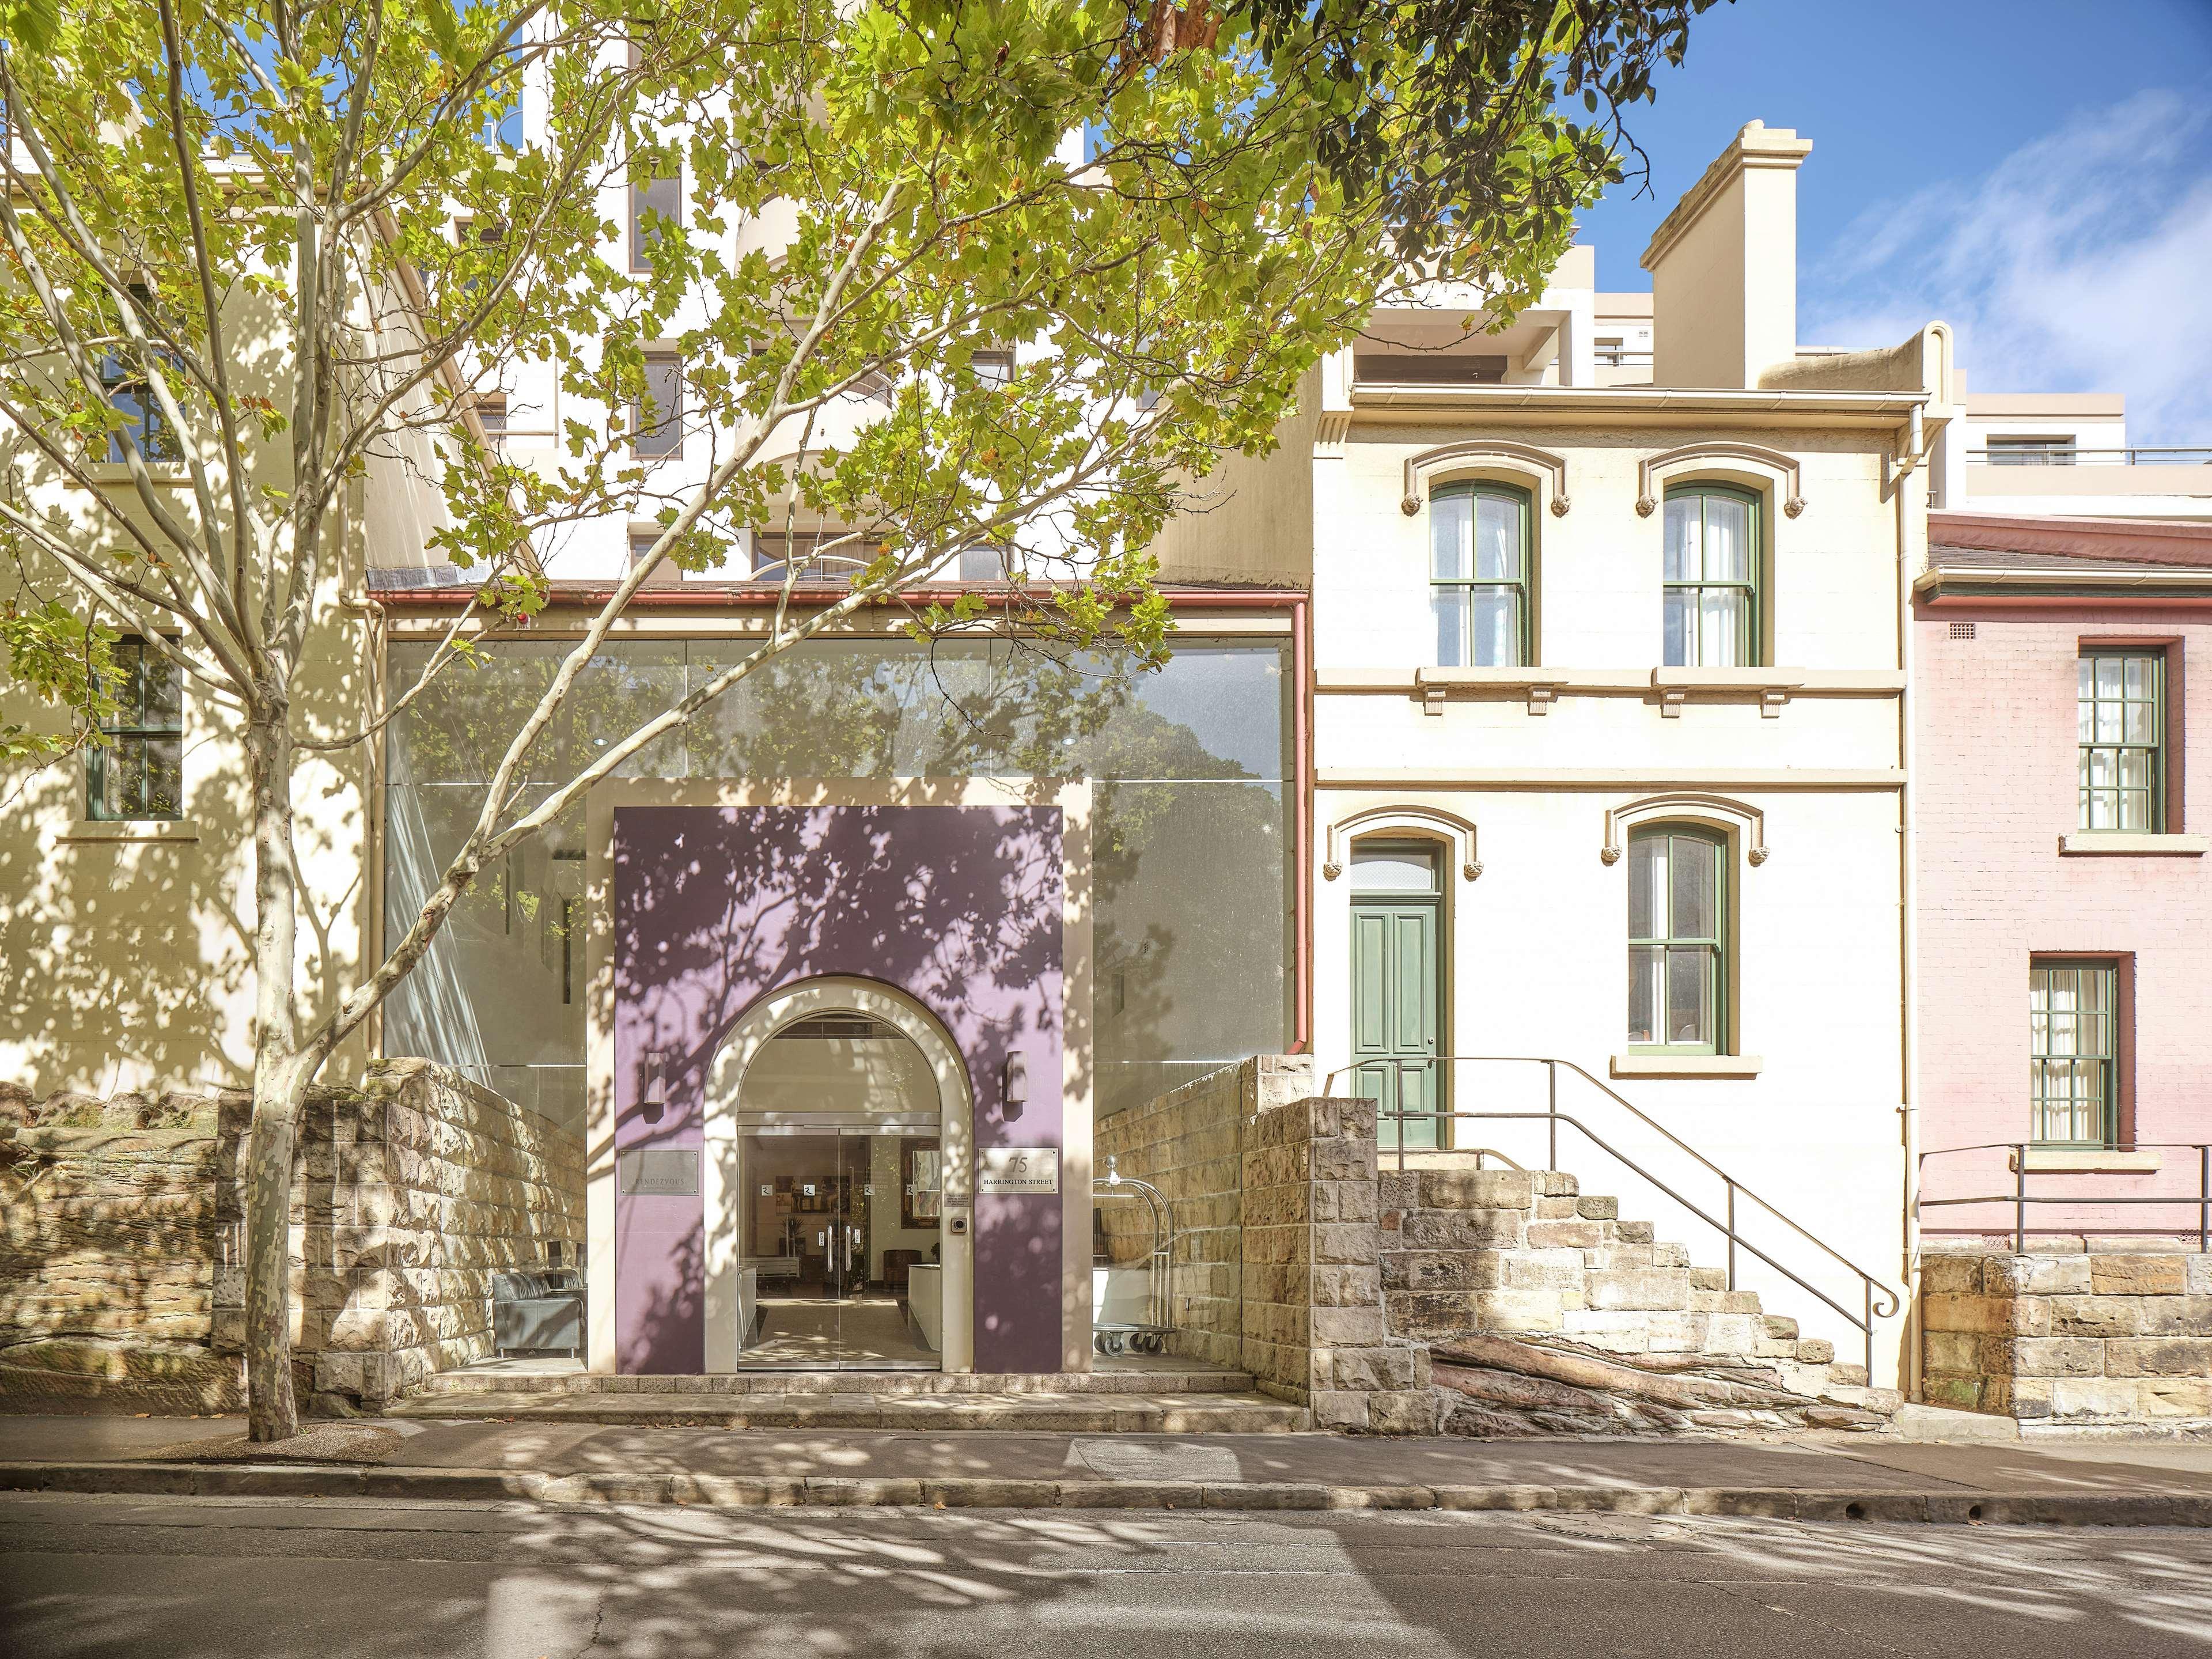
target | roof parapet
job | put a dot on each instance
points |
(1921, 364)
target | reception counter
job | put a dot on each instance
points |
(925, 1303)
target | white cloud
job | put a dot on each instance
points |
(2082, 262)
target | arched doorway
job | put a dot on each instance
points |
(836, 1185)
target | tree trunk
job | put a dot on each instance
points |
(280, 1079)
(271, 1411)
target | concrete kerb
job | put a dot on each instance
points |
(1951, 1507)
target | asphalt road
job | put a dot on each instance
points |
(241, 1577)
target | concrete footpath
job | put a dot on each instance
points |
(1805, 1477)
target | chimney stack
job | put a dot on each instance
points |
(1723, 266)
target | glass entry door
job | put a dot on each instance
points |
(832, 1270)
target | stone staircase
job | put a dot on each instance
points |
(1597, 1306)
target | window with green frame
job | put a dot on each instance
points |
(1480, 555)
(2073, 1070)
(2120, 709)
(1709, 608)
(136, 770)
(1678, 965)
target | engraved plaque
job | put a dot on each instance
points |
(659, 1172)
(1018, 1169)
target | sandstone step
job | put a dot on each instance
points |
(1881, 1401)
(1657, 1290)
(1463, 1189)
(499, 1377)
(1577, 1234)
(1078, 1414)
(1640, 1256)
(1529, 1255)
(1830, 1380)
(1733, 1301)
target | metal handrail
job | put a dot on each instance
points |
(1878, 1300)
(2020, 1198)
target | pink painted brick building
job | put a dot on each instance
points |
(2064, 780)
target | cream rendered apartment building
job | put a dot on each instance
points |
(1608, 743)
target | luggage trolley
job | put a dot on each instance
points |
(1150, 1334)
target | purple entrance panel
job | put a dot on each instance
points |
(715, 908)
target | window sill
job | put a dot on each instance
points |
(2113, 843)
(1708, 1065)
(2085, 1160)
(132, 829)
(1748, 681)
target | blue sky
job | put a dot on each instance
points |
(2037, 173)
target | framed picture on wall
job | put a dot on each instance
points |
(921, 1183)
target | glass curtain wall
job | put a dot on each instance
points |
(1191, 807)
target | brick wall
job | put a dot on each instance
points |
(120, 1234)
(1995, 781)
(2062, 1340)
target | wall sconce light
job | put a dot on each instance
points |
(1014, 1085)
(653, 1098)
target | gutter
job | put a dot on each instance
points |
(751, 597)
(1888, 407)
(1954, 581)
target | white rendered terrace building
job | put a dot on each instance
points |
(1608, 742)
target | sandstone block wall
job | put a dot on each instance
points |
(408, 1193)
(1189, 1143)
(109, 1232)
(1314, 1325)
(120, 1232)
(2066, 1340)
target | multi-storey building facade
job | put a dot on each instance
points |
(2065, 912)
(1570, 744)
(1610, 729)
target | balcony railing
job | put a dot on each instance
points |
(2179, 1213)
(2056, 454)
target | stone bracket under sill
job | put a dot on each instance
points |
(1690, 1065)
(2110, 844)
(2085, 1160)
(1541, 686)
(128, 831)
(1770, 688)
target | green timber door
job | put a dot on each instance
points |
(1395, 991)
